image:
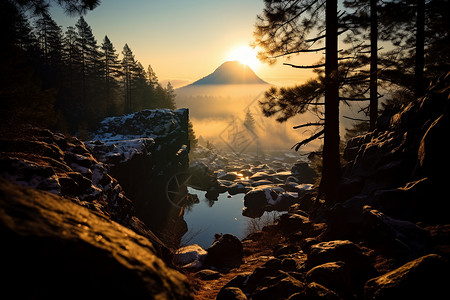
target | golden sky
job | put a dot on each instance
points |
(183, 40)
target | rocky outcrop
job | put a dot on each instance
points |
(53, 248)
(144, 150)
(403, 162)
(62, 165)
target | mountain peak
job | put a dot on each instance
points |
(231, 72)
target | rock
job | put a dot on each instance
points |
(338, 250)
(207, 274)
(285, 249)
(202, 177)
(145, 150)
(426, 277)
(315, 291)
(259, 176)
(258, 198)
(261, 182)
(402, 237)
(190, 257)
(225, 252)
(307, 243)
(231, 176)
(334, 276)
(51, 245)
(231, 293)
(291, 222)
(238, 281)
(52, 162)
(279, 287)
(398, 165)
(253, 212)
(347, 252)
(261, 196)
(303, 172)
(238, 188)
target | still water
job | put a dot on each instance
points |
(224, 215)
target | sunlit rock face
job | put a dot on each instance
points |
(62, 165)
(53, 248)
(144, 150)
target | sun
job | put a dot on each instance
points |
(246, 56)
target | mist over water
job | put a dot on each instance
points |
(218, 114)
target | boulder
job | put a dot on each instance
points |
(225, 252)
(338, 250)
(303, 172)
(334, 276)
(259, 197)
(259, 176)
(52, 246)
(347, 252)
(292, 222)
(190, 257)
(238, 188)
(279, 287)
(201, 177)
(426, 277)
(207, 274)
(315, 291)
(231, 293)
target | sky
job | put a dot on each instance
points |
(183, 40)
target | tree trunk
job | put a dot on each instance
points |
(373, 109)
(331, 164)
(420, 44)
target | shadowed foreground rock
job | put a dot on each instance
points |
(54, 248)
(423, 278)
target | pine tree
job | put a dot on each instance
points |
(170, 97)
(90, 72)
(249, 121)
(110, 66)
(49, 37)
(128, 63)
(283, 31)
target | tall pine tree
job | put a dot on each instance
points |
(110, 72)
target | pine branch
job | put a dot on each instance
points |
(355, 119)
(305, 67)
(299, 51)
(309, 124)
(353, 99)
(308, 140)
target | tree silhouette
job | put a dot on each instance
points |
(128, 64)
(110, 71)
(283, 30)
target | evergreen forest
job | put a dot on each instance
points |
(65, 79)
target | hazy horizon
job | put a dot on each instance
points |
(158, 32)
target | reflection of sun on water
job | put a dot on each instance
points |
(246, 56)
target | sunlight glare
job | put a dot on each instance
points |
(246, 56)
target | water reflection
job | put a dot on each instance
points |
(208, 217)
